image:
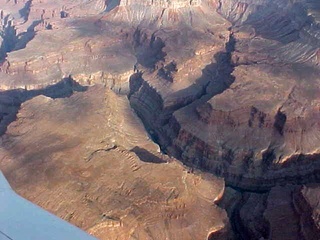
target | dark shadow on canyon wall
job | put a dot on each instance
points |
(216, 78)
(11, 100)
(146, 156)
(111, 4)
(148, 51)
(26, 37)
(9, 36)
(25, 11)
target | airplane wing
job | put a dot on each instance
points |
(22, 220)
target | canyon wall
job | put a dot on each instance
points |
(254, 118)
(228, 87)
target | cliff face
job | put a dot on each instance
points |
(253, 114)
(257, 135)
(162, 12)
(275, 126)
(87, 159)
(230, 87)
(162, 3)
(286, 31)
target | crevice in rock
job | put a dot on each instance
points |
(163, 128)
(166, 72)
(250, 225)
(135, 82)
(308, 219)
(64, 14)
(11, 100)
(148, 103)
(245, 211)
(88, 159)
(268, 158)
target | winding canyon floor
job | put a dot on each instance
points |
(165, 120)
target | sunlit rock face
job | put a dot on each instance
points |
(268, 119)
(163, 13)
(256, 122)
(230, 87)
(162, 3)
(290, 30)
(87, 159)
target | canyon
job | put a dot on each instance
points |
(165, 119)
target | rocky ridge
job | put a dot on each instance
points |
(77, 163)
(269, 124)
(229, 87)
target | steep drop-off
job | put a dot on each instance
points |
(92, 164)
(255, 131)
(228, 87)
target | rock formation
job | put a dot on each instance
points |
(228, 87)
(70, 156)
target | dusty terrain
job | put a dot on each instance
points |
(101, 99)
(88, 159)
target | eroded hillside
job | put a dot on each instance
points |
(229, 87)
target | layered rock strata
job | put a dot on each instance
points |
(261, 215)
(70, 157)
(229, 87)
(253, 131)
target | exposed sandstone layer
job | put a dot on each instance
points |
(43, 38)
(253, 116)
(284, 212)
(101, 59)
(285, 31)
(10, 101)
(68, 156)
(231, 87)
(106, 46)
(260, 136)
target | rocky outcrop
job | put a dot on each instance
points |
(230, 87)
(305, 200)
(11, 100)
(261, 215)
(271, 140)
(30, 64)
(24, 69)
(70, 156)
(164, 13)
(260, 130)
(284, 31)
(162, 3)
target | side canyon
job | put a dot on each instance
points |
(165, 119)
